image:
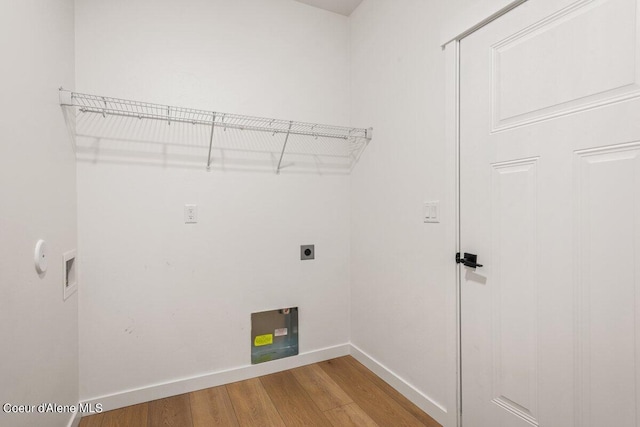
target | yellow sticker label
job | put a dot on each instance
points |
(261, 340)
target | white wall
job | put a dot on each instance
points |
(403, 270)
(39, 350)
(162, 301)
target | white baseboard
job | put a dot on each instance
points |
(172, 388)
(421, 400)
(75, 420)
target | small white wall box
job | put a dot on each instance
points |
(69, 276)
(274, 334)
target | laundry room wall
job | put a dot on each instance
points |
(162, 301)
(39, 329)
(403, 269)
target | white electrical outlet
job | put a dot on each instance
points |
(190, 214)
(431, 212)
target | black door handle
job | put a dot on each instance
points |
(469, 260)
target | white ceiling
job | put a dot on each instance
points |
(343, 7)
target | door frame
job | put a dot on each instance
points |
(451, 50)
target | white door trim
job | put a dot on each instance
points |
(484, 22)
(452, 166)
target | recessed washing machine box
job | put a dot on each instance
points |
(70, 276)
(274, 334)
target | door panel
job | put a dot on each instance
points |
(513, 233)
(608, 283)
(550, 202)
(540, 71)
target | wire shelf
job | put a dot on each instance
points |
(108, 106)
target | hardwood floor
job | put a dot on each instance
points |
(339, 392)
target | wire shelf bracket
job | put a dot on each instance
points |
(213, 127)
(284, 147)
(108, 106)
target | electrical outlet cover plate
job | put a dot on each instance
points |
(190, 214)
(307, 252)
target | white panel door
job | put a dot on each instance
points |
(550, 203)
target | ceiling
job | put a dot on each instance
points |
(343, 7)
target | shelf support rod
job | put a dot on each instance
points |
(213, 126)
(284, 146)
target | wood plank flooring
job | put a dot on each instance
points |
(339, 392)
